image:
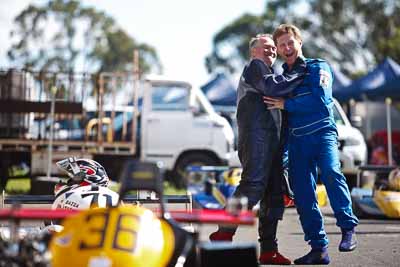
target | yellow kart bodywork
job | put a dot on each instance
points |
(233, 176)
(120, 236)
(322, 196)
(388, 202)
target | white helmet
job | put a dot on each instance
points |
(84, 171)
(394, 180)
(84, 197)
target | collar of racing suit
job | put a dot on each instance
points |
(300, 62)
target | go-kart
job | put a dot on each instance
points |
(125, 235)
(212, 187)
(383, 200)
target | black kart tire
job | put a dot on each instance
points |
(180, 178)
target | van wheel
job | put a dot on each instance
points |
(181, 179)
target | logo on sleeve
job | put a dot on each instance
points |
(324, 79)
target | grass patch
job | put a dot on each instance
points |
(18, 186)
(169, 189)
(23, 186)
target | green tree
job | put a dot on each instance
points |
(347, 33)
(230, 44)
(390, 46)
(351, 33)
(63, 35)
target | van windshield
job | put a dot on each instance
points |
(337, 116)
(170, 97)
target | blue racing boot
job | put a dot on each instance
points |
(349, 241)
(315, 256)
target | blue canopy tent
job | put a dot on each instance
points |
(390, 89)
(369, 84)
(220, 92)
(379, 84)
(339, 80)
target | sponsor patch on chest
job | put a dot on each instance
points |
(324, 79)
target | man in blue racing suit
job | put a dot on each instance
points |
(312, 144)
(260, 145)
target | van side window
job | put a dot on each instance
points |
(170, 98)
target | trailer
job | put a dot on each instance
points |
(108, 117)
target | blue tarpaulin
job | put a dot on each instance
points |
(372, 84)
(339, 80)
(390, 89)
(220, 91)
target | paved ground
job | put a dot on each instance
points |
(379, 240)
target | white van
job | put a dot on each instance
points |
(352, 147)
(181, 128)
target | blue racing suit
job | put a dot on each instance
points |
(260, 145)
(312, 144)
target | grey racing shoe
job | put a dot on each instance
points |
(314, 257)
(349, 241)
